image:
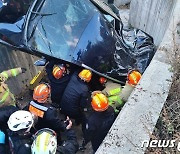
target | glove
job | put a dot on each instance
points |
(23, 70)
(2, 137)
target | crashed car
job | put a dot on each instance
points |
(86, 33)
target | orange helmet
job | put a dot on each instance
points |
(99, 102)
(134, 77)
(85, 75)
(41, 93)
(102, 80)
(59, 71)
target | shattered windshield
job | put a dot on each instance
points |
(56, 27)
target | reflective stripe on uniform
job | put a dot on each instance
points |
(117, 99)
(4, 97)
(115, 91)
(43, 108)
(14, 72)
(5, 74)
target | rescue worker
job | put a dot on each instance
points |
(59, 76)
(112, 91)
(6, 97)
(5, 113)
(18, 133)
(132, 80)
(76, 96)
(99, 122)
(48, 116)
(50, 145)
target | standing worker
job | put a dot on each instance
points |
(132, 80)
(99, 122)
(77, 95)
(59, 76)
(48, 116)
(6, 97)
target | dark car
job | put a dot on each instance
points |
(83, 32)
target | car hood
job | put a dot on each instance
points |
(97, 46)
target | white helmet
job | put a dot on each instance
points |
(45, 142)
(20, 120)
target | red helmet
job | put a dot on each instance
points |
(134, 77)
(41, 93)
(102, 80)
(99, 102)
(59, 71)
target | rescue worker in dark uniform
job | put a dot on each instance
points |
(6, 97)
(99, 122)
(76, 96)
(59, 76)
(5, 113)
(48, 116)
(18, 133)
(69, 146)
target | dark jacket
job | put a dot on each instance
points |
(19, 144)
(97, 126)
(16, 144)
(57, 85)
(5, 113)
(70, 146)
(49, 118)
(76, 96)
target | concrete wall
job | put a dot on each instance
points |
(11, 59)
(151, 16)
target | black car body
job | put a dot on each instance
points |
(85, 33)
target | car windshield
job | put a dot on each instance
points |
(56, 26)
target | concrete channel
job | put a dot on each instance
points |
(138, 117)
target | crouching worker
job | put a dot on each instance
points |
(112, 91)
(45, 142)
(18, 133)
(6, 97)
(99, 122)
(48, 116)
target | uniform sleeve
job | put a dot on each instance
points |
(11, 73)
(70, 146)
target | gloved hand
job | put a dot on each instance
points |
(23, 70)
(2, 137)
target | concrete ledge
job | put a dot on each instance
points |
(138, 117)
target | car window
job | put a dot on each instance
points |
(57, 27)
